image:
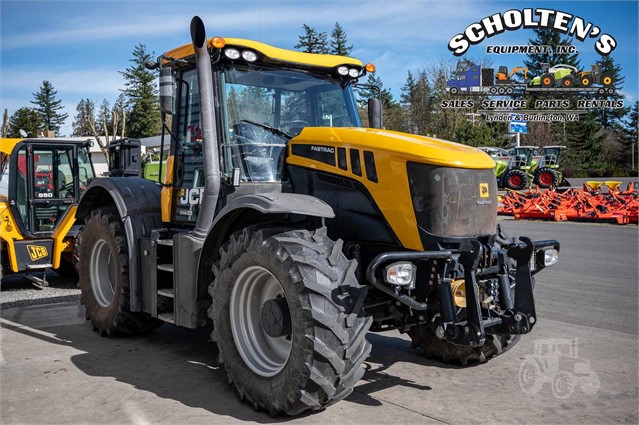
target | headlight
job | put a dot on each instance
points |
(547, 257)
(342, 70)
(249, 56)
(353, 72)
(401, 273)
(232, 54)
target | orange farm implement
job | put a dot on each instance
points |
(591, 203)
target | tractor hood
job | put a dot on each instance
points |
(323, 141)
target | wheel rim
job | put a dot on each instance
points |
(102, 273)
(262, 353)
(515, 180)
(545, 179)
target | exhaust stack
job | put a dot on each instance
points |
(207, 122)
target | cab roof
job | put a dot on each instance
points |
(7, 145)
(272, 53)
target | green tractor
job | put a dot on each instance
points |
(518, 172)
(547, 174)
(558, 75)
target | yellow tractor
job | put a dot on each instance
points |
(293, 231)
(41, 181)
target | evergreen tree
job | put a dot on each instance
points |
(339, 43)
(611, 117)
(374, 88)
(312, 41)
(48, 107)
(473, 134)
(585, 145)
(392, 114)
(629, 140)
(417, 101)
(83, 120)
(141, 96)
(26, 119)
(549, 37)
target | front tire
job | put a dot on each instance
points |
(104, 277)
(317, 356)
(546, 177)
(516, 180)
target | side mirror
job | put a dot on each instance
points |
(374, 113)
(167, 91)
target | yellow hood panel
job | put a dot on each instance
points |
(408, 146)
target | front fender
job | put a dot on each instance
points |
(279, 203)
(266, 204)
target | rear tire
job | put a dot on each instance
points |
(568, 81)
(516, 180)
(607, 79)
(104, 277)
(320, 359)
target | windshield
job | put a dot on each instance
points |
(265, 107)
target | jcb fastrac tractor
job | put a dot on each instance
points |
(41, 181)
(295, 231)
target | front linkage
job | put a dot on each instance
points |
(498, 267)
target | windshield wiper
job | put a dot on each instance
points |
(273, 130)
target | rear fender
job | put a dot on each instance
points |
(138, 203)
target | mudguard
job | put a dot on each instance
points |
(279, 203)
(268, 203)
(138, 203)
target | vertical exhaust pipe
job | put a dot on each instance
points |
(207, 122)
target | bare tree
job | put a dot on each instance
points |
(5, 123)
(110, 125)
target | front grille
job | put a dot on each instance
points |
(453, 202)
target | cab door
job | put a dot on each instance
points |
(44, 186)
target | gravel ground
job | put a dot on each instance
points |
(17, 291)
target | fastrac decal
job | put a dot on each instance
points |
(514, 19)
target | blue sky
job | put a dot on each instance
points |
(81, 45)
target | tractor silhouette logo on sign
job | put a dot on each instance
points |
(555, 361)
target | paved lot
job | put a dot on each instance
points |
(55, 370)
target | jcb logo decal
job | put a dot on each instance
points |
(483, 190)
(37, 252)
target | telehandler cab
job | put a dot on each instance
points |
(295, 231)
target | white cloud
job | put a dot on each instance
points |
(89, 82)
(371, 21)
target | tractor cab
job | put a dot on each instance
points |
(41, 183)
(261, 106)
(547, 174)
(551, 156)
(523, 157)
